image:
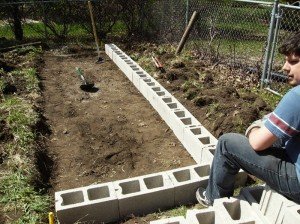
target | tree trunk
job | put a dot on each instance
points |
(17, 25)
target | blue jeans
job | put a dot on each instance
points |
(271, 165)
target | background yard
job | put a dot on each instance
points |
(55, 136)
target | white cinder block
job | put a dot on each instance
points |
(174, 220)
(137, 78)
(145, 194)
(109, 49)
(96, 203)
(199, 143)
(273, 205)
(291, 215)
(253, 194)
(186, 181)
(204, 216)
(235, 210)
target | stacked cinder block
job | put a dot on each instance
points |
(109, 202)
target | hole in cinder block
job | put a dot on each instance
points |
(202, 171)
(167, 100)
(162, 93)
(134, 68)
(233, 209)
(298, 211)
(196, 131)
(141, 74)
(150, 83)
(256, 193)
(180, 113)
(118, 52)
(128, 61)
(212, 151)
(147, 80)
(172, 105)
(130, 187)
(204, 140)
(206, 217)
(98, 193)
(154, 182)
(156, 89)
(182, 175)
(72, 198)
(186, 121)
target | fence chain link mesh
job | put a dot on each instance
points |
(288, 22)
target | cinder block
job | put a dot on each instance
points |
(186, 181)
(253, 194)
(236, 210)
(197, 140)
(273, 205)
(137, 78)
(144, 85)
(178, 122)
(291, 215)
(108, 49)
(96, 203)
(204, 216)
(174, 220)
(145, 194)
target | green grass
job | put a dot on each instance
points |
(20, 198)
(18, 194)
(29, 75)
(16, 183)
(240, 48)
(20, 117)
(37, 31)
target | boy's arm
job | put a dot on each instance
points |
(261, 138)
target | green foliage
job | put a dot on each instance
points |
(17, 193)
(20, 118)
(30, 76)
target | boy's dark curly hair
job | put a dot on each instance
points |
(291, 45)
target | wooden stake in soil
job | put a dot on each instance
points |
(94, 30)
(187, 32)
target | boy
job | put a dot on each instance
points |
(256, 152)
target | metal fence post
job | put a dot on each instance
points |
(274, 43)
(266, 71)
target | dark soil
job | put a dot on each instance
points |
(109, 134)
(219, 96)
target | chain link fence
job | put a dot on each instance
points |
(286, 22)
